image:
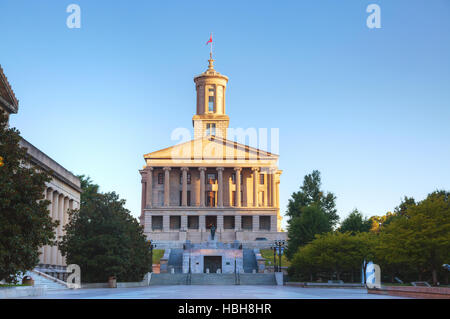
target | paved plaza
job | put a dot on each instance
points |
(213, 292)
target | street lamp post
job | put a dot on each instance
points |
(279, 244)
(274, 248)
(151, 254)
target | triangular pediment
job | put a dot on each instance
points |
(211, 150)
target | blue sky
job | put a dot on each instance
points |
(369, 108)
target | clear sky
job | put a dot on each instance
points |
(369, 108)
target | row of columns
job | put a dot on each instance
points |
(58, 207)
(147, 187)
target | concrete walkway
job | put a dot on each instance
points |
(215, 292)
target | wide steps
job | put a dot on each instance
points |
(213, 279)
(168, 279)
(257, 279)
(42, 282)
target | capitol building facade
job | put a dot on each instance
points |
(211, 182)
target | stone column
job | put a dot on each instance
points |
(149, 187)
(255, 223)
(166, 186)
(238, 186)
(237, 222)
(220, 223)
(273, 223)
(255, 186)
(202, 186)
(143, 186)
(220, 186)
(59, 230)
(64, 223)
(202, 223)
(184, 222)
(272, 187)
(147, 223)
(184, 171)
(47, 248)
(166, 223)
(55, 207)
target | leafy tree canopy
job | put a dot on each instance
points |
(311, 194)
(355, 222)
(302, 229)
(333, 253)
(421, 236)
(104, 239)
(25, 224)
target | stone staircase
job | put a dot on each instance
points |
(213, 279)
(168, 279)
(249, 259)
(257, 279)
(45, 281)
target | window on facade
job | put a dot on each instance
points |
(175, 222)
(211, 104)
(188, 195)
(160, 178)
(157, 222)
(247, 222)
(211, 178)
(261, 179)
(228, 222)
(188, 178)
(210, 220)
(211, 129)
(193, 222)
(264, 222)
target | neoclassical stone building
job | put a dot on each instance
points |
(63, 191)
(211, 180)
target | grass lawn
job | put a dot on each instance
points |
(12, 285)
(268, 255)
(157, 254)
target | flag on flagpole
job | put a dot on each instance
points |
(210, 39)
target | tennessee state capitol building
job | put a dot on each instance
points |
(210, 180)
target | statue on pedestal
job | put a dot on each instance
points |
(213, 231)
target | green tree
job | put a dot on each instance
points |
(355, 223)
(302, 229)
(310, 194)
(334, 253)
(25, 224)
(104, 239)
(421, 237)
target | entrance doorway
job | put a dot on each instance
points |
(212, 263)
